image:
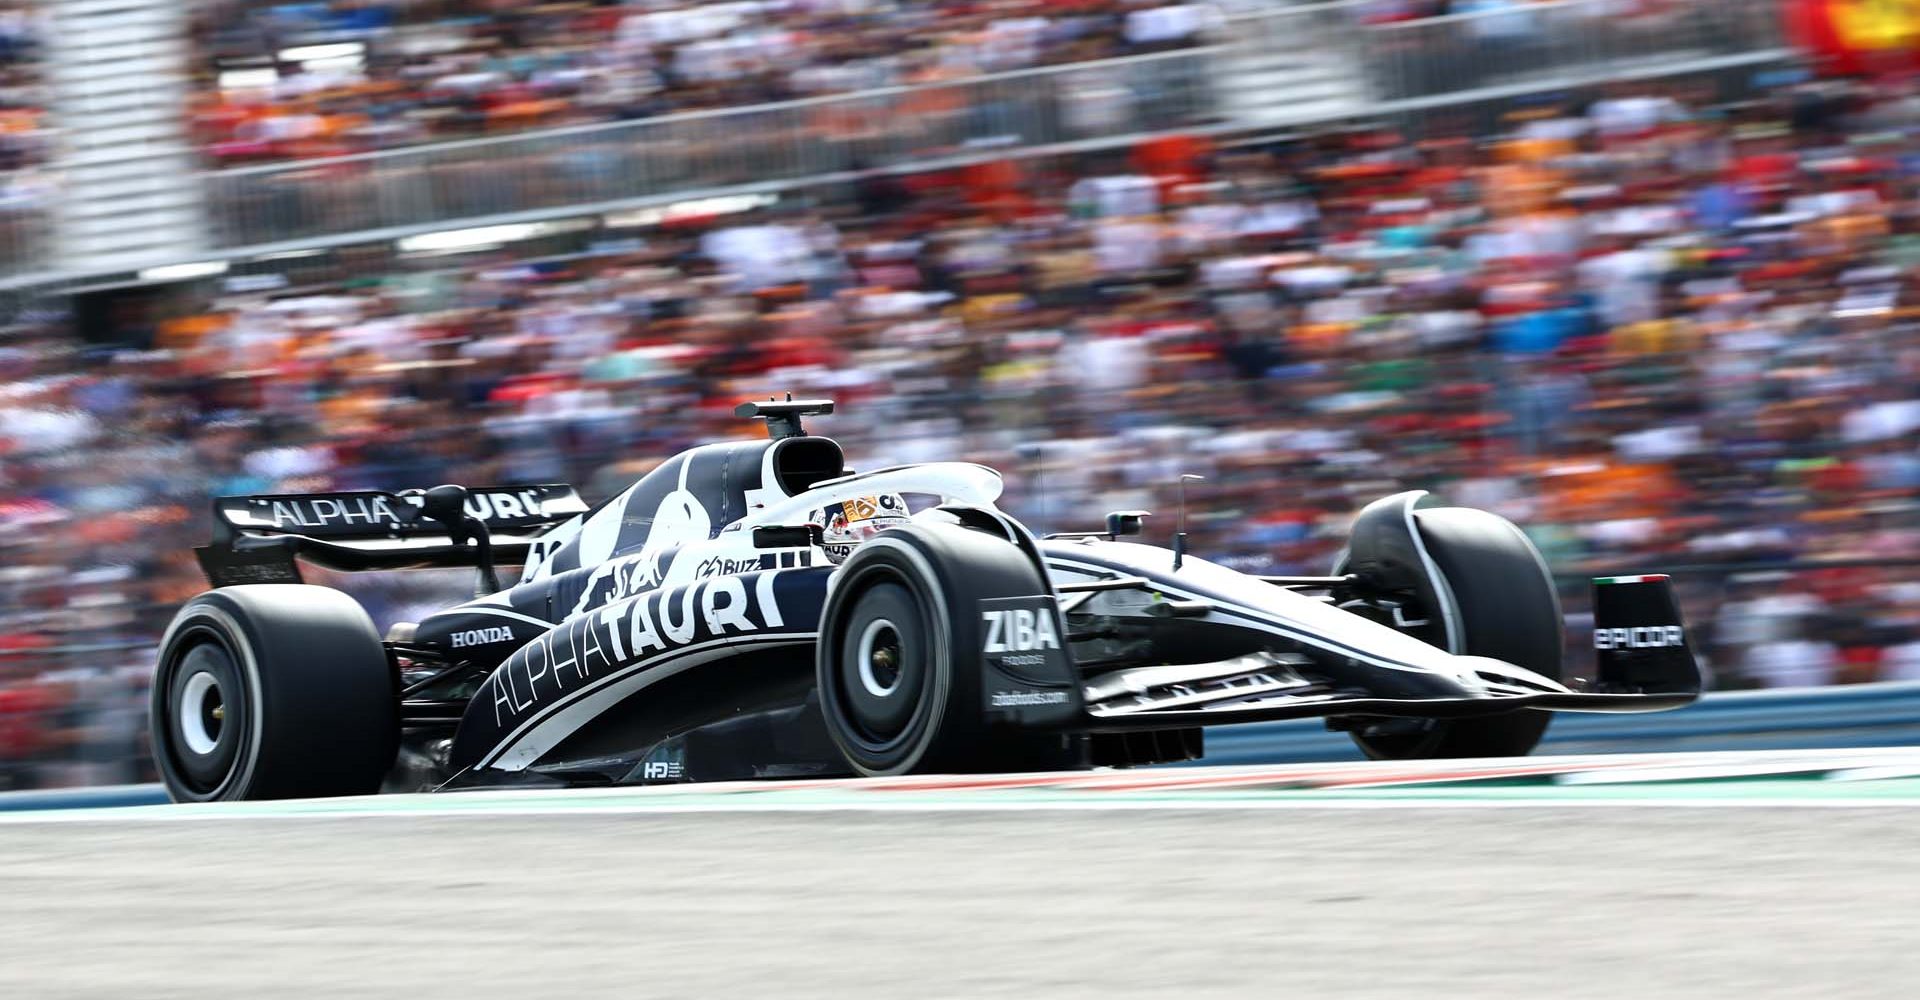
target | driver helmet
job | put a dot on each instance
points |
(846, 524)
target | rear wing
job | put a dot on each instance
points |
(258, 539)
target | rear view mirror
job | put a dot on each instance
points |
(786, 536)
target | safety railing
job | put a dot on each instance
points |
(586, 168)
(25, 234)
(1560, 43)
(1862, 715)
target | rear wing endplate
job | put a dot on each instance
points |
(257, 539)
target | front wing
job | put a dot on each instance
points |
(1174, 709)
(1643, 664)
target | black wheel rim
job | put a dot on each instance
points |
(204, 715)
(882, 672)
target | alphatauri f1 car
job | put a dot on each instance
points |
(753, 609)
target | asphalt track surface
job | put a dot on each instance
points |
(1722, 891)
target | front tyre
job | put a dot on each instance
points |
(273, 691)
(892, 675)
(1507, 608)
(898, 657)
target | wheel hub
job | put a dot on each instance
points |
(879, 658)
(202, 712)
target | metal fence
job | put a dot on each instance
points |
(1561, 43)
(1862, 715)
(1086, 105)
(25, 236)
(582, 167)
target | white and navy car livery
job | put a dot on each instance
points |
(698, 627)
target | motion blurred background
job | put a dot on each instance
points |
(1637, 274)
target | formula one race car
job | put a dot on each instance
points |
(752, 609)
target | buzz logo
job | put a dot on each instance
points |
(1018, 631)
(720, 566)
(1646, 637)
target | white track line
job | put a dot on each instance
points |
(192, 814)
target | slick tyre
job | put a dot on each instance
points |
(897, 660)
(271, 692)
(1507, 609)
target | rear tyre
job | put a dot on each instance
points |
(270, 692)
(1507, 609)
(899, 681)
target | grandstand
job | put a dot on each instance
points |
(192, 136)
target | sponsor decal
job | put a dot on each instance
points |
(482, 636)
(1027, 675)
(232, 570)
(370, 510)
(542, 550)
(587, 646)
(504, 506)
(868, 508)
(1021, 630)
(1027, 699)
(622, 579)
(720, 566)
(309, 513)
(632, 576)
(678, 519)
(663, 770)
(1644, 637)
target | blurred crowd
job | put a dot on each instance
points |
(25, 133)
(1657, 331)
(23, 126)
(288, 81)
(295, 80)
(1279, 61)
